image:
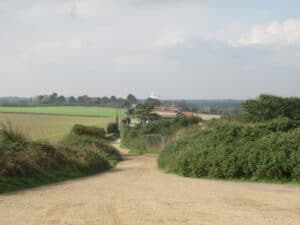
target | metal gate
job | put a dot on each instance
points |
(155, 141)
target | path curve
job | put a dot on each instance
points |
(137, 193)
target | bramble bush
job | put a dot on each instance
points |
(263, 151)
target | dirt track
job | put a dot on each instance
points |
(137, 193)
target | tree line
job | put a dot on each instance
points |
(85, 100)
(268, 107)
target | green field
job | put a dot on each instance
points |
(65, 110)
(51, 127)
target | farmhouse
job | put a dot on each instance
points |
(168, 108)
(161, 108)
(187, 114)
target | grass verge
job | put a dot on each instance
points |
(25, 163)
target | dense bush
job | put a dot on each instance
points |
(279, 124)
(134, 137)
(25, 163)
(89, 152)
(113, 128)
(19, 157)
(263, 151)
(268, 107)
(88, 130)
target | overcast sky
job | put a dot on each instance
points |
(176, 48)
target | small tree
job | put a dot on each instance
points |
(268, 107)
(131, 99)
(71, 100)
(113, 128)
(152, 102)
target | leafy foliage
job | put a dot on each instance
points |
(269, 150)
(113, 128)
(25, 163)
(144, 111)
(152, 102)
(55, 99)
(134, 137)
(268, 107)
(89, 131)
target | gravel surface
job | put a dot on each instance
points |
(137, 193)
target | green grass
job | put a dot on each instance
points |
(65, 110)
(135, 138)
(25, 164)
(50, 127)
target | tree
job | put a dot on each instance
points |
(131, 99)
(45, 99)
(52, 98)
(98, 101)
(61, 100)
(37, 99)
(152, 102)
(83, 99)
(144, 109)
(105, 100)
(267, 107)
(71, 100)
(145, 112)
(113, 98)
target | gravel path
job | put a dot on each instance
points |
(137, 193)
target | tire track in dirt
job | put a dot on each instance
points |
(136, 192)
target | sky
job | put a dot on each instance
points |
(181, 49)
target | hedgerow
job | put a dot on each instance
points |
(25, 163)
(264, 151)
(93, 131)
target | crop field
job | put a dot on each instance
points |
(50, 127)
(65, 110)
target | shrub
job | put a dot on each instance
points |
(279, 124)
(89, 131)
(113, 128)
(268, 107)
(263, 151)
(20, 157)
(134, 137)
(25, 163)
(87, 150)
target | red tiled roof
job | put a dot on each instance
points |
(188, 114)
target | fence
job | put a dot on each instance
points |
(155, 141)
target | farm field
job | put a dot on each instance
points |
(50, 127)
(65, 110)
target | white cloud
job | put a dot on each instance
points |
(135, 59)
(50, 50)
(282, 33)
(96, 42)
(171, 39)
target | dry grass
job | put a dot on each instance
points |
(207, 116)
(49, 127)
